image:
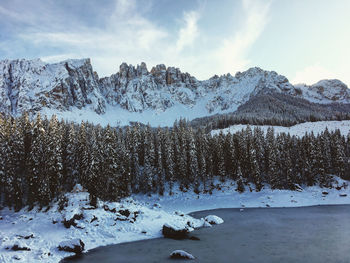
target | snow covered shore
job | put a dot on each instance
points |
(140, 217)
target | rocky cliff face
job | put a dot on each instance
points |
(325, 91)
(137, 89)
(32, 85)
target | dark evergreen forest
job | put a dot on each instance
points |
(271, 108)
(43, 159)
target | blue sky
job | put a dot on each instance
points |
(305, 40)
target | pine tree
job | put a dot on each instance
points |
(271, 158)
(54, 157)
(240, 183)
(209, 144)
(26, 130)
(288, 169)
(15, 168)
(168, 161)
(181, 164)
(70, 159)
(158, 138)
(8, 166)
(247, 161)
(148, 169)
(38, 179)
(201, 152)
(300, 158)
(255, 169)
(242, 154)
(228, 154)
(338, 157)
(124, 182)
(95, 179)
(191, 160)
(258, 144)
(313, 160)
(3, 155)
(133, 138)
(83, 156)
(110, 168)
(221, 167)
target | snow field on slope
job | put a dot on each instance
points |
(298, 130)
(117, 116)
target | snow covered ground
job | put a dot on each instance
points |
(140, 217)
(297, 130)
(117, 116)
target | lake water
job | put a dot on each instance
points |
(306, 234)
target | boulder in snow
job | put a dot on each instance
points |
(214, 220)
(108, 209)
(17, 248)
(181, 254)
(19, 245)
(176, 230)
(75, 245)
(125, 212)
(93, 219)
(71, 221)
(17, 257)
(26, 236)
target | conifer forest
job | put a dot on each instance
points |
(42, 159)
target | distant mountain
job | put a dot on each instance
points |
(71, 88)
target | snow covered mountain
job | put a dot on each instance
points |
(71, 88)
(325, 91)
(31, 85)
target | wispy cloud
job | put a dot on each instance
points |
(315, 72)
(234, 49)
(126, 34)
(188, 33)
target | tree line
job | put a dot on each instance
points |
(42, 159)
(277, 109)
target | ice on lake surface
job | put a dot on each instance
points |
(313, 234)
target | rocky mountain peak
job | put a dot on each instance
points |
(33, 85)
(330, 84)
(142, 69)
(158, 69)
(326, 91)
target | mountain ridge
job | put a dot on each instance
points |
(70, 85)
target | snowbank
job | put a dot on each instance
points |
(49, 239)
(214, 220)
(74, 245)
(176, 230)
(181, 254)
(136, 218)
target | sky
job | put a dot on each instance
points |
(304, 40)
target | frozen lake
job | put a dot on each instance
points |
(305, 234)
